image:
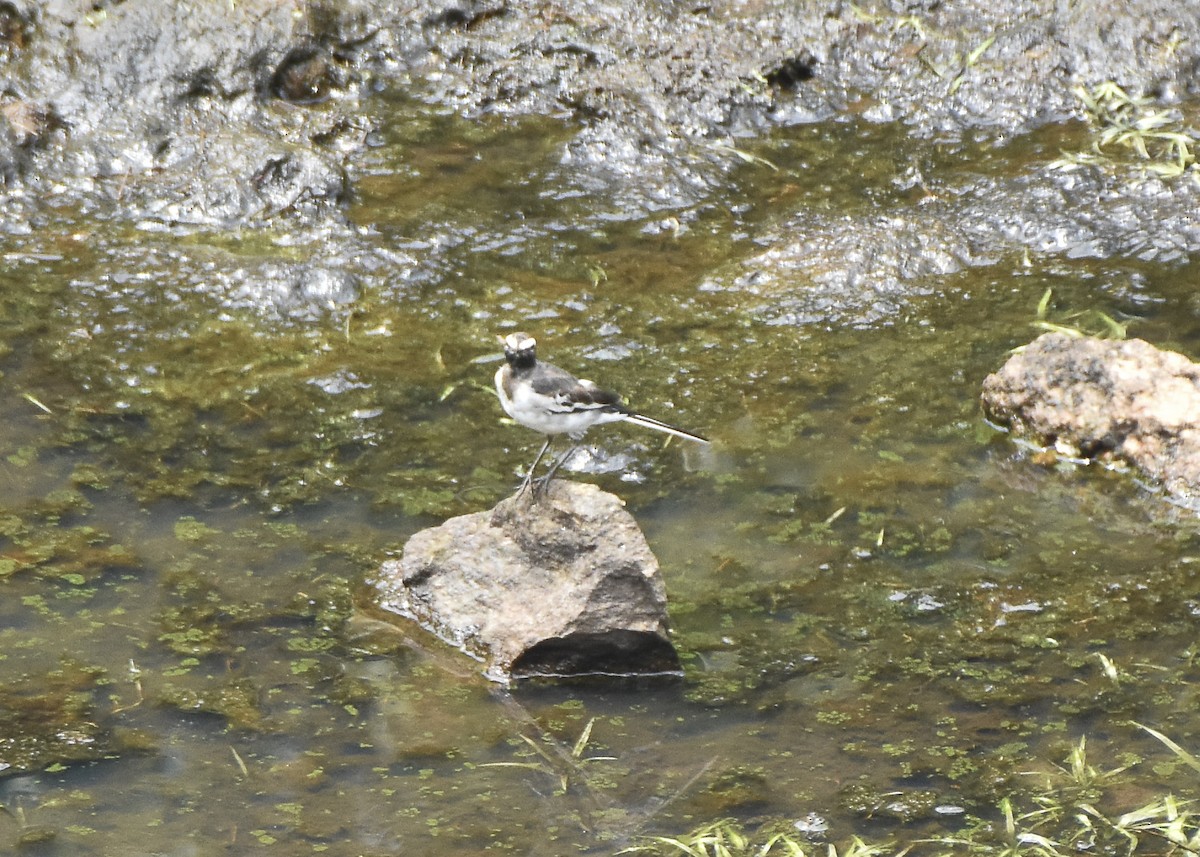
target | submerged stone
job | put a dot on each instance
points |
(1117, 399)
(52, 719)
(565, 586)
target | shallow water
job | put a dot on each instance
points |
(887, 610)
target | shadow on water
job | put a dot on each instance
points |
(888, 612)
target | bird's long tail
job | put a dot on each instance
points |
(658, 425)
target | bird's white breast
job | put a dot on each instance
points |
(547, 414)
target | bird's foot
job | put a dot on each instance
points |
(526, 484)
(540, 486)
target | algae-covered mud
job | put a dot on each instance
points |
(890, 614)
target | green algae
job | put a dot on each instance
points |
(49, 721)
(35, 540)
(235, 701)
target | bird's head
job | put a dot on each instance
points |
(519, 348)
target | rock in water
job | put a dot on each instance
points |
(566, 586)
(1124, 399)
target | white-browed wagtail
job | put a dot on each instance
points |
(552, 401)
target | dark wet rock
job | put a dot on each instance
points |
(307, 75)
(296, 289)
(188, 122)
(567, 586)
(864, 269)
(657, 101)
(820, 269)
(216, 93)
(1126, 400)
(1084, 213)
(322, 274)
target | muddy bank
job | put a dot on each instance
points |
(259, 112)
(275, 98)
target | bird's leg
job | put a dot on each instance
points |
(544, 482)
(529, 474)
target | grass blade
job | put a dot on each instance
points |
(1186, 757)
(582, 742)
